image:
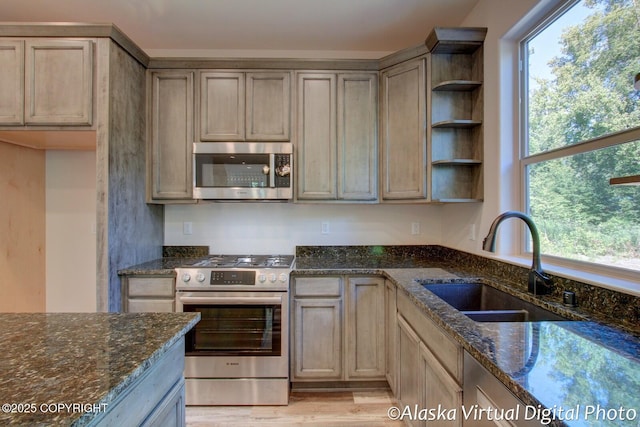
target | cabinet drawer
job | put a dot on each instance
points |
(151, 287)
(447, 351)
(150, 306)
(317, 287)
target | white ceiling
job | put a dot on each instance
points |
(363, 28)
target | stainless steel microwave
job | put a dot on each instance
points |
(243, 171)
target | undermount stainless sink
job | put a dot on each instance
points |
(484, 303)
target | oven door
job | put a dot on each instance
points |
(240, 334)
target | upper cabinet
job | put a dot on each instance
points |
(11, 82)
(402, 129)
(46, 82)
(336, 136)
(170, 130)
(455, 97)
(244, 106)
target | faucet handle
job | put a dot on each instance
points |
(540, 283)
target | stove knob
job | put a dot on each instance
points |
(200, 277)
(186, 277)
(262, 278)
(272, 278)
(283, 277)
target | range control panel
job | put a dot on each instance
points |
(232, 277)
(203, 278)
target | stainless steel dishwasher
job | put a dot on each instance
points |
(488, 403)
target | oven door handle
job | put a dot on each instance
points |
(231, 300)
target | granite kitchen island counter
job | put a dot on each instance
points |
(76, 369)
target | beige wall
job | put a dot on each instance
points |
(71, 231)
(22, 229)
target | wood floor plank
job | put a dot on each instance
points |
(309, 409)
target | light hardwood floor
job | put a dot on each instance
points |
(309, 409)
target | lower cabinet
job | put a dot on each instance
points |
(154, 399)
(391, 326)
(148, 294)
(408, 348)
(336, 330)
(429, 365)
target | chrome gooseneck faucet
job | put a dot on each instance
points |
(539, 282)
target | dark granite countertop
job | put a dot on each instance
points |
(582, 362)
(161, 266)
(80, 358)
(578, 362)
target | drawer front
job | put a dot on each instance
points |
(151, 287)
(317, 287)
(447, 351)
(150, 306)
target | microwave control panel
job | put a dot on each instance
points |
(283, 170)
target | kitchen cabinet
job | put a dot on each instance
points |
(170, 152)
(317, 328)
(391, 326)
(408, 386)
(365, 334)
(403, 153)
(430, 363)
(156, 398)
(439, 388)
(148, 293)
(337, 139)
(336, 332)
(11, 82)
(244, 106)
(46, 82)
(455, 96)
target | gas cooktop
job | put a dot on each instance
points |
(244, 261)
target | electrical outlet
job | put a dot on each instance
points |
(472, 232)
(325, 227)
(415, 228)
(187, 228)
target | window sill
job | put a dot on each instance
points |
(627, 282)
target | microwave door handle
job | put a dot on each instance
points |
(272, 170)
(232, 300)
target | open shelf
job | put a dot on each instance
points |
(457, 200)
(453, 162)
(455, 114)
(457, 85)
(457, 124)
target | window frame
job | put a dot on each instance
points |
(616, 278)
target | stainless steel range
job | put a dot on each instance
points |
(238, 354)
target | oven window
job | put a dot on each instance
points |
(235, 330)
(238, 170)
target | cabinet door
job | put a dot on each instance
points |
(59, 82)
(317, 333)
(357, 147)
(268, 102)
(403, 123)
(222, 98)
(11, 82)
(439, 388)
(171, 135)
(391, 327)
(408, 392)
(316, 119)
(365, 332)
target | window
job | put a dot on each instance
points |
(581, 127)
